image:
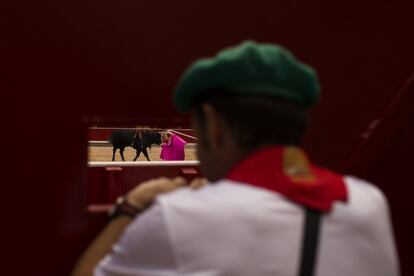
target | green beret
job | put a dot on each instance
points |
(249, 69)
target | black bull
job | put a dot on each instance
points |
(138, 139)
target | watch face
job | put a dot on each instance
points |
(120, 199)
(114, 207)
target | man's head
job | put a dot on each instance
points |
(245, 98)
(166, 135)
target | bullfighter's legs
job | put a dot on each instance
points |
(138, 153)
(144, 151)
(121, 151)
(113, 153)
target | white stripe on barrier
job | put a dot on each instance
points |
(98, 208)
(144, 163)
(99, 144)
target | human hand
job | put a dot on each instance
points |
(198, 182)
(143, 195)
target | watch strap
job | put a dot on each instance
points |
(123, 208)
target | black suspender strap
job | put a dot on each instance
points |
(310, 242)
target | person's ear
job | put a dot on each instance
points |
(214, 127)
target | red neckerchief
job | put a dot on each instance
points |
(286, 170)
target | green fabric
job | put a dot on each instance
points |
(249, 69)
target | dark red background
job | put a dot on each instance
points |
(67, 65)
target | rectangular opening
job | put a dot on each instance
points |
(133, 141)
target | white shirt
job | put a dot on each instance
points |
(234, 229)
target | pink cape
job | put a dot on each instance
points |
(174, 150)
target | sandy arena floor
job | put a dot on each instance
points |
(105, 154)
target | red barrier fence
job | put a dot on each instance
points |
(108, 180)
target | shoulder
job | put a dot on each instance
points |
(364, 191)
(366, 205)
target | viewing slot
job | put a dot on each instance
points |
(102, 141)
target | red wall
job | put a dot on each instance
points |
(68, 65)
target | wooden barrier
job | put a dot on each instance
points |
(108, 180)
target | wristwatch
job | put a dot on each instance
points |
(123, 208)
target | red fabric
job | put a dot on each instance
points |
(264, 169)
(174, 149)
